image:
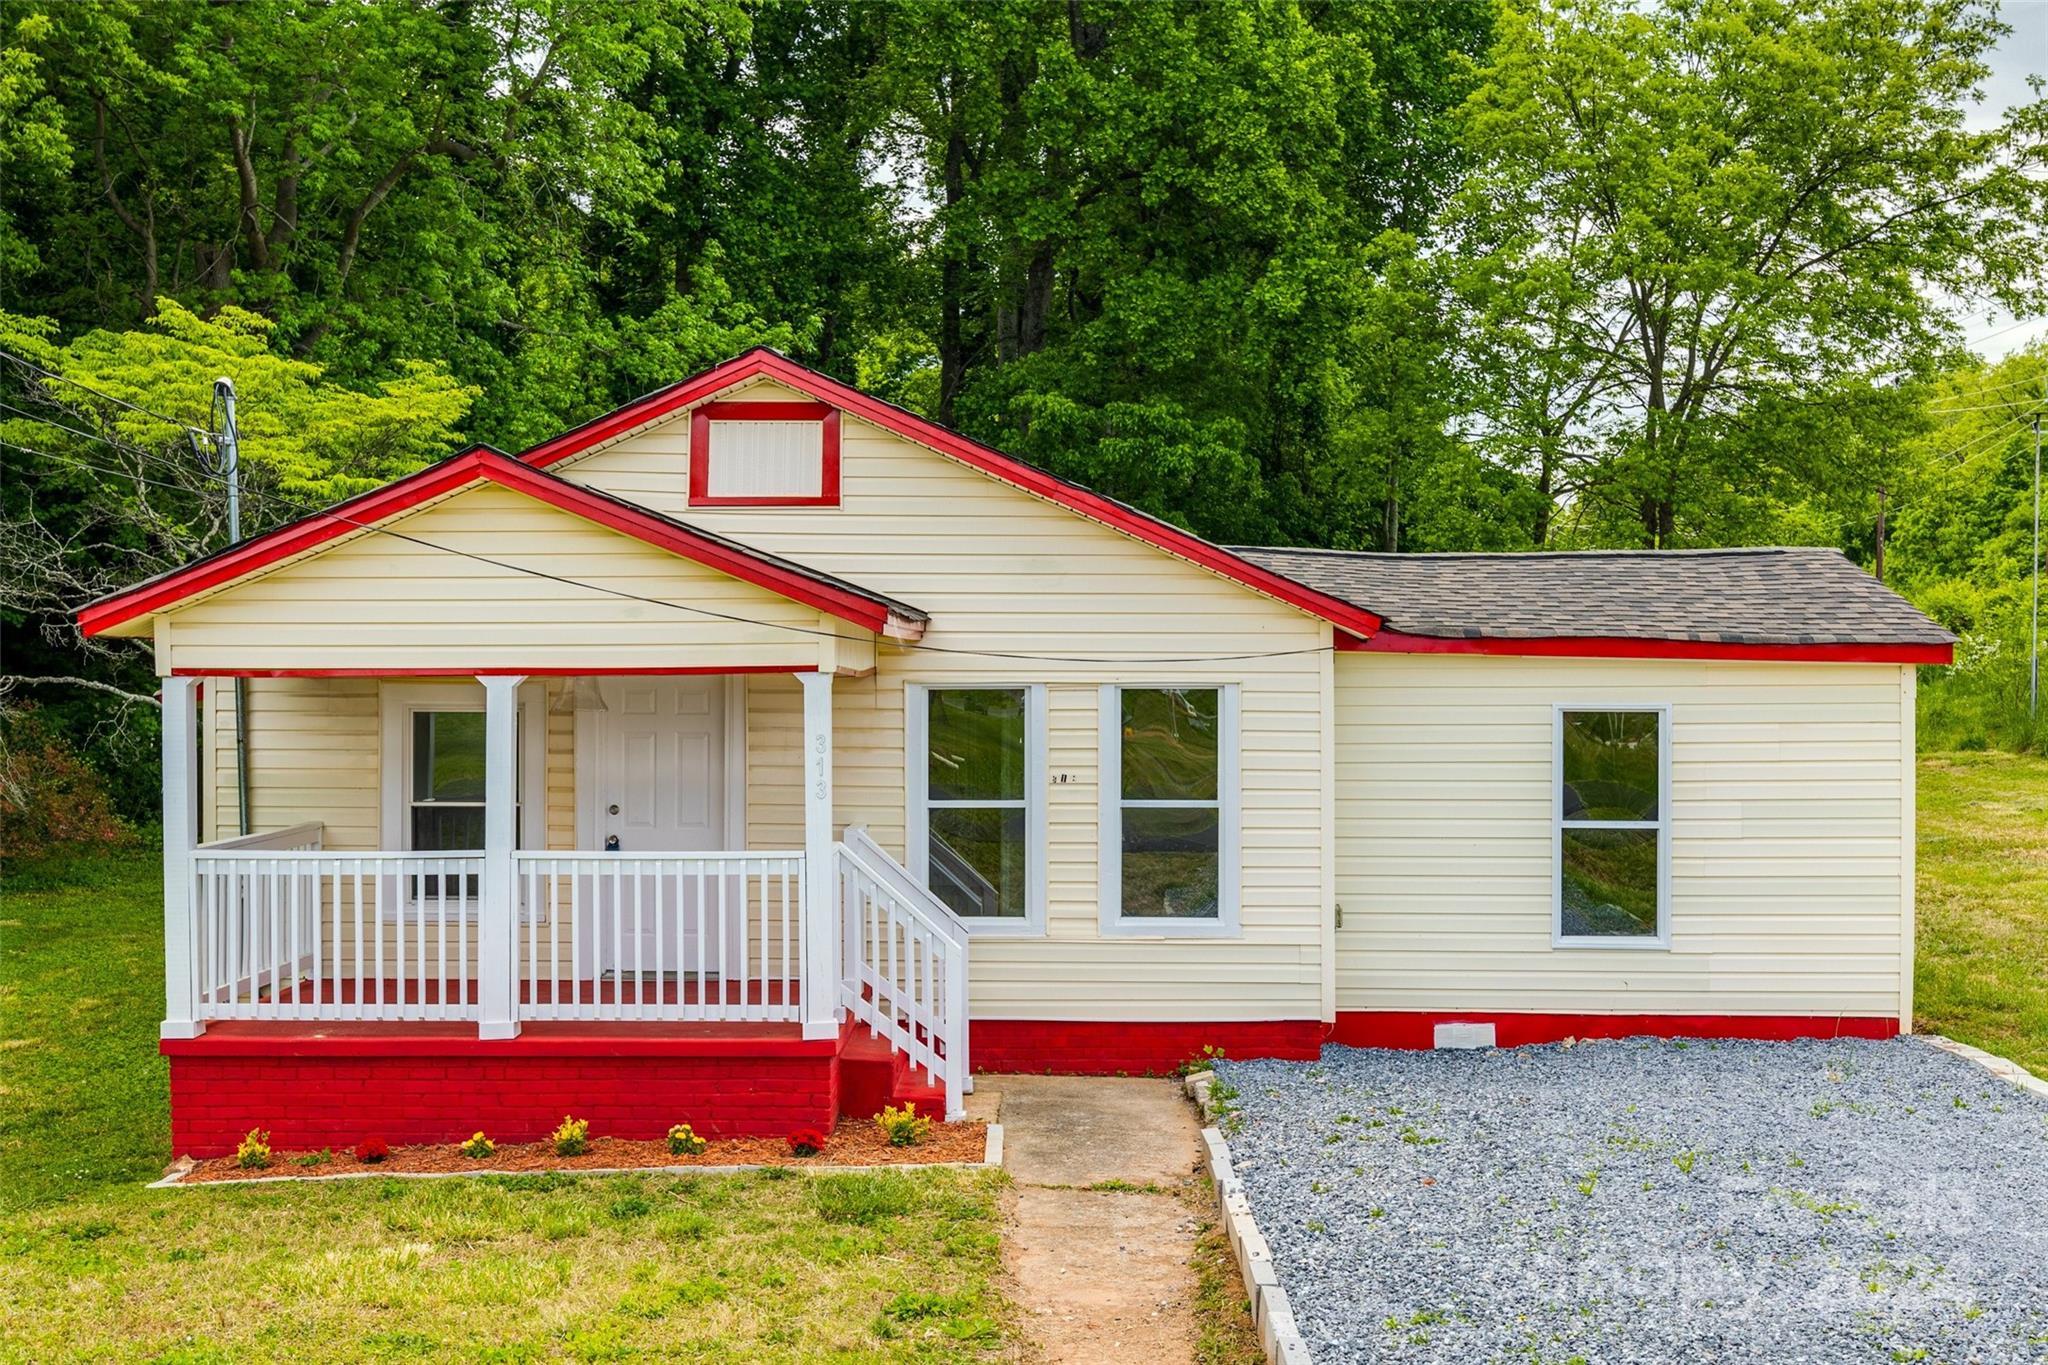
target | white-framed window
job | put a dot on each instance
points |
(975, 775)
(1611, 795)
(1169, 828)
(432, 750)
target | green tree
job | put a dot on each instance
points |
(1704, 237)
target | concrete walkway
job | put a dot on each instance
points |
(1102, 1274)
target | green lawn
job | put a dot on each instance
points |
(1983, 906)
(779, 1265)
(894, 1266)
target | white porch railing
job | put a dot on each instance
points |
(905, 972)
(287, 931)
(675, 936)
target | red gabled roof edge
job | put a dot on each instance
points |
(1631, 647)
(763, 361)
(481, 464)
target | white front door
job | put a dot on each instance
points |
(661, 789)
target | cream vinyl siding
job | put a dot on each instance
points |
(315, 754)
(381, 602)
(1791, 824)
(1001, 570)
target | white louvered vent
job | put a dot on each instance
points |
(755, 459)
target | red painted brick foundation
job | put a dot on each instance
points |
(1093, 1048)
(441, 1089)
(1404, 1029)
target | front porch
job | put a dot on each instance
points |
(333, 993)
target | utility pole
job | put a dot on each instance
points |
(1880, 533)
(228, 447)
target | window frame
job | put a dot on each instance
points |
(1229, 803)
(398, 703)
(1661, 940)
(918, 804)
(824, 414)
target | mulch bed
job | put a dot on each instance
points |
(853, 1144)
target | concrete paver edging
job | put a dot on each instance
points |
(1279, 1335)
(2006, 1070)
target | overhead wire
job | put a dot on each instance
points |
(918, 646)
(26, 363)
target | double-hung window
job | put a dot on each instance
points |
(1612, 785)
(1169, 839)
(976, 778)
(433, 759)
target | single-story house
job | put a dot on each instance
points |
(761, 751)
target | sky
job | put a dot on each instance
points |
(2023, 53)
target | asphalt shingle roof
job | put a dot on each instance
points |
(1780, 595)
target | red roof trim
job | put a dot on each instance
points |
(483, 465)
(1620, 647)
(580, 671)
(1133, 523)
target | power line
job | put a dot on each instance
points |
(2010, 326)
(1993, 388)
(685, 607)
(26, 363)
(130, 447)
(2005, 406)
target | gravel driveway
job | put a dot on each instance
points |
(1651, 1201)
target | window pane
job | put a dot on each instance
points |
(1610, 765)
(447, 828)
(977, 745)
(1170, 743)
(977, 861)
(1170, 863)
(1610, 883)
(447, 756)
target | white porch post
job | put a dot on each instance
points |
(820, 1002)
(497, 939)
(181, 793)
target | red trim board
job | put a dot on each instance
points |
(1619, 647)
(824, 414)
(1130, 521)
(638, 671)
(474, 466)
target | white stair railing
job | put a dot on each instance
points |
(905, 968)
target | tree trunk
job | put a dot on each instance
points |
(952, 281)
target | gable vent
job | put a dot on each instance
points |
(764, 455)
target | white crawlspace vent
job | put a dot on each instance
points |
(1464, 1035)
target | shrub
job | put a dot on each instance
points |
(807, 1142)
(904, 1127)
(372, 1150)
(683, 1141)
(49, 796)
(255, 1149)
(572, 1138)
(478, 1146)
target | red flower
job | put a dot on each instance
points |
(807, 1142)
(372, 1150)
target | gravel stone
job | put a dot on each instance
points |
(1650, 1200)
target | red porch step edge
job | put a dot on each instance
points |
(874, 1076)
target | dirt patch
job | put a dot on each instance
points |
(852, 1145)
(1103, 1276)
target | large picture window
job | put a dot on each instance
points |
(1169, 810)
(977, 793)
(1613, 833)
